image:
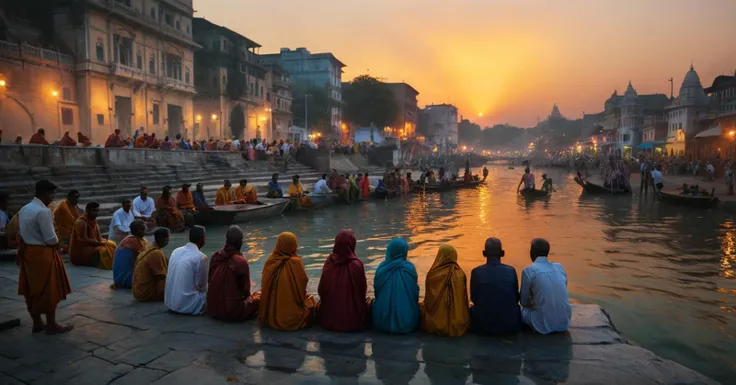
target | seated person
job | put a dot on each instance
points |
(527, 180)
(149, 273)
(274, 188)
(285, 304)
(144, 208)
(494, 290)
(545, 305)
(141, 141)
(121, 220)
(547, 184)
(4, 218)
(342, 289)
(126, 254)
(114, 140)
(228, 297)
(67, 141)
(83, 140)
(223, 195)
(296, 190)
(167, 213)
(246, 194)
(445, 307)
(65, 215)
(186, 278)
(39, 137)
(87, 247)
(396, 307)
(185, 199)
(200, 202)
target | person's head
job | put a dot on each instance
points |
(72, 197)
(445, 255)
(178, 136)
(66, 133)
(526, 170)
(185, 187)
(18, 139)
(45, 190)
(161, 236)
(144, 192)
(153, 135)
(324, 176)
(197, 235)
(658, 167)
(166, 191)
(92, 210)
(275, 177)
(397, 248)
(243, 182)
(227, 183)
(295, 179)
(234, 237)
(138, 228)
(540, 248)
(117, 132)
(127, 205)
(286, 245)
(42, 131)
(366, 174)
(493, 249)
(3, 200)
(166, 138)
(544, 176)
(200, 187)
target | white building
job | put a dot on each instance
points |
(308, 70)
(442, 121)
(685, 113)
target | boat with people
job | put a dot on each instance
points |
(533, 194)
(442, 187)
(592, 188)
(239, 213)
(690, 196)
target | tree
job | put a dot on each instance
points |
(468, 132)
(369, 101)
(318, 108)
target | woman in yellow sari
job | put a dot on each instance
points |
(296, 190)
(65, 214)
(445, 310)
(87, 247)
(285, 304)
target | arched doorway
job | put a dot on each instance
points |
(237, 121)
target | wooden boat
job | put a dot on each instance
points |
(440, 187)
(533, 194)
(592, 188)
(239, 213)
(689, 200)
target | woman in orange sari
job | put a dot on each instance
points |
(246, 194)
(87, 247)
(445, 310)
(64, 217)
(285, 304)
(167, 214)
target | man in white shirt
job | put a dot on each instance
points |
(4, 218)
(259, 146)
(42, 279)
(321, 187)
(545, 305)
(186, 278)
(143, 209)
(236, 144)
(121, 220)
(658, 178)
(711, 170)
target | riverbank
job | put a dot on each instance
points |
(119, 341)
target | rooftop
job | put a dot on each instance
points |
(200, 24)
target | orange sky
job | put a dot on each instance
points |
(509, 59)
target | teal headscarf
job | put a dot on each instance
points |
(396, 307)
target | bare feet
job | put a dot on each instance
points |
(38, 328)
(58, 329)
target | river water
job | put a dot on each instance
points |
(666, 275)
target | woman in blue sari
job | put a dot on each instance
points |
(396, 307)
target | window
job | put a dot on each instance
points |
(214, 46)
(169, 19)
(66, 93)
(261, 91)
(186, 75)
(178, 25)
(153, 13)
(152, 65)
(67, 116)
(100, 50)
(123, 50)
(139, 62)
(214, 81)
(188, 32)
(173, 66)
(224, 80)
(155, 114)
(100, 119)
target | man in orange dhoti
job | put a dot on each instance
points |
(42, 279)
(246, 194)
(87, 247)
(64, 217)
(223, 195)
(39, 137)
(67, 140)
(83, 140)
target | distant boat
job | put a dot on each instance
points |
(240, 213)
(592, 188)
(533, 194)
(440, 187)
(689, 200)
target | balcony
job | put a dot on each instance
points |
(28, 52)
(125, 72)
(282, 82)
(175, 85)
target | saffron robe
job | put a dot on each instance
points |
(297, 191)
(149, 275)
(168, 215)
(64, 217)
(185, 201)
(445, 310)
(42, 279)
(83, 254)
(223, 196)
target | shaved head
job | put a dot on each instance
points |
(493, 248)
(540, 248)
(234, 237)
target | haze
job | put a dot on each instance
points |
(507, 59)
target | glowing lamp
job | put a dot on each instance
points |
(2, 83)
(214, 116)
(732, 133)
(54, 93)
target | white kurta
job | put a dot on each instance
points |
(186, 280)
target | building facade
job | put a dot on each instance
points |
(718, 136)
(233, 88)
(654, 133)
(442, 125)
(134, 65)
(405, 96)
(685, 113)
(308, 70)
(281, 99)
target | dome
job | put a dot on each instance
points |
(691, 91)
(691, 79)
(555, 114)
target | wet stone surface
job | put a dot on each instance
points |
(119, 341)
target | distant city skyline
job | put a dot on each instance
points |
(508, 60)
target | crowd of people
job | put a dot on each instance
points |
(190, 282)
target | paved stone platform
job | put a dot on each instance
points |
(119, 341)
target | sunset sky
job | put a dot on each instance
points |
(509, 59)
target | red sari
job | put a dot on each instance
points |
(342, 288)
(228, 295)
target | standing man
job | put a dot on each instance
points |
(121, 220)
(494, 290)
(42, 279)
(143, 209)
(658, 178)
(545, 305)
(186, 279)
(485, 173)
(644, 170)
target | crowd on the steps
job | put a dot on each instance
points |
(190, 282)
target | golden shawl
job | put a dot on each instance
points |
(64, 217)
(446, 307)
(285, 304)
(223, 196)
(296, 191)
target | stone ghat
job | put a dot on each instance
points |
(119, 341)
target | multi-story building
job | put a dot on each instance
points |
(718, 139)
(281, 99)
(134, 64)
(685, 113)
(442, 122)
(308, 70)
(654, 133)
(405, 125)
(233, 87)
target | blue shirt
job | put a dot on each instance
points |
(494, 290)
(544, 300)
(122, 267)
(274, 187)
(184, 145)
(199, 200)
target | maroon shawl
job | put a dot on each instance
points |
(228, 295)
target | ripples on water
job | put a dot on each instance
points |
(666, 275)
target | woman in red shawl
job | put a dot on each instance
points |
(228, 296)
(342, 288)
